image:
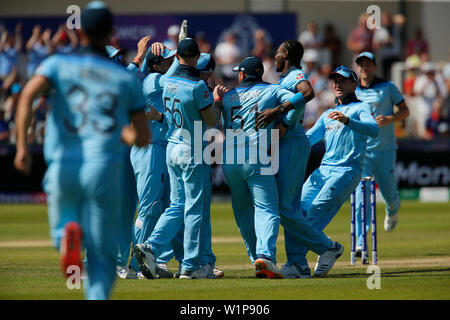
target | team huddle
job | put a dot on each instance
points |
(115, 141)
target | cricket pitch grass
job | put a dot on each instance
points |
(414, 262)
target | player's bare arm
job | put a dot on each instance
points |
(35, 86)
(154, 114)
(142, 50)
(401, 114)
(265, 117)
(306, 89)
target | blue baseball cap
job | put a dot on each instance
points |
(251, 66)
(96, 20)
(115, 54)
(345, 72)
(152, 59)
(206, 63)
(188, 48)
(367, 55)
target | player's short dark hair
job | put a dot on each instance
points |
(295, 51)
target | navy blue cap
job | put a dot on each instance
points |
(251, 66)
(96, 20)
(366, 54)
(345, 72)
(206, 63)
(188, 48)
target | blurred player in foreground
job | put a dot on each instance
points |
(345, 129)
(94, 100)
(380, 158)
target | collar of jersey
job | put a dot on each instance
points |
(350, 98)
(250, 81)
(375, 81)
(185, 69)
(291, 68)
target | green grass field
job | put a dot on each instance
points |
(414, 262)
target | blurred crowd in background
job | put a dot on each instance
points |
(425, 84)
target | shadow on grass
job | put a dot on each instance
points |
(410, 273)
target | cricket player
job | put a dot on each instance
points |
(345, 130)
(187, 103)
(382, 96)
(94, 101)
(294, 155)
(163, 66)
(150, 169)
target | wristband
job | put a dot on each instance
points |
(218, 99)
(298, 99)
(136, 62)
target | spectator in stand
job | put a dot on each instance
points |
(228, 56)
(428, 87)
(416, 45)
(4, 129)
(172, 37)
(311, 38)
(39, 46)
(10, 46)
(360, 39)
(261, 48)
(311, 60)
(387, 41)
(202, 42)
(270, 74)
(438, 125)
(446, 75)
(64, 40)
(331, 46)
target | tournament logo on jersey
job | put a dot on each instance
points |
(299, 76)
(206, 94)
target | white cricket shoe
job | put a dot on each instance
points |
(295, 271)
(146, 260)
(125, 272)
(205, 272)
(326, 261)
(390, 222)
(265, 268)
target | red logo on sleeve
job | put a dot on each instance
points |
(299, 76)
(206, 94)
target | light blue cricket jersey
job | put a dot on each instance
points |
(345, 145)
(153, 86)
(290, 80)
(240, 107)
(184, 97)
(381, 95)
(92, 100)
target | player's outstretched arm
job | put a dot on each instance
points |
(36, 85)
(142, 50)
